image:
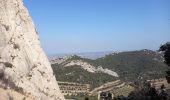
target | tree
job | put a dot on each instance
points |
(166, 49)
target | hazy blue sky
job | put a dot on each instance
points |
(100, 25)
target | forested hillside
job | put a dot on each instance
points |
(130, 66)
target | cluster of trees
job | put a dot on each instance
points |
(147, 92)
(166, 49)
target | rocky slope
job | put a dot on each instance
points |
(88, 67)
(66, 62)
(10, 94)
(23, 64)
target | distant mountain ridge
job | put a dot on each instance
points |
(89, 55)
(129, 66)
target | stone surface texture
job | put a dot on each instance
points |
(23, 63)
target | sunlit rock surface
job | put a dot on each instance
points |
(23, 64)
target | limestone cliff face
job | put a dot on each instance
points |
(23, 64)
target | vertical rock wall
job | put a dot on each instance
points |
(23, 64)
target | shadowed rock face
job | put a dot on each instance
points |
(23, 63)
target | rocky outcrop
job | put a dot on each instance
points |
(23, 64)
(90, 68)
(69, 61)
